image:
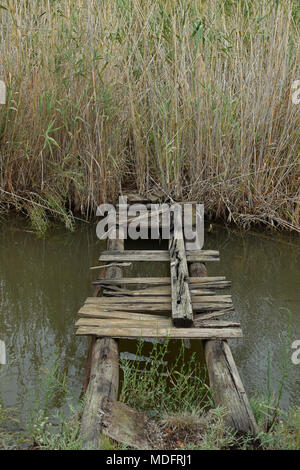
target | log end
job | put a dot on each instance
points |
(182, 322)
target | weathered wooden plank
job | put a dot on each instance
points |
(165, 281)
(135, 198)
(182, 310)
(156, 255)
(164, 291)
(128, 300)
(128, 426)
(179, 333)
(156, 307)
(124, 323)
(228, 390)
(163, 322)
(92, 311)
(213, 314)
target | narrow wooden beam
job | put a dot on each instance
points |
(182, 310)
(148, 322)
(155, 299)
(151, 307)
(227, 387)
(153, 332)
(164, 281)
(156, 256)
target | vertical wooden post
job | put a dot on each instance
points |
(182, 311)
(225, 382)
(103, 380)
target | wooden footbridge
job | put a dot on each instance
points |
(187, 304)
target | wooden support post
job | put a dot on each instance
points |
(225, 382)
(182, 311)
(103, 381)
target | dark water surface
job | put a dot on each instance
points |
(43, 283)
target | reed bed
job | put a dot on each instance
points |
(191, 97)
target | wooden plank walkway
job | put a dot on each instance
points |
(193, 256)
(164, 307)
(186, 305)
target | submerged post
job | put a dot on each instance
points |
(103, 380)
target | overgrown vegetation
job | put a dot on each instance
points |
(152, 383)
(175, 395)
(193, 97)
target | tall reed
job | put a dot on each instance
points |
(193, 97)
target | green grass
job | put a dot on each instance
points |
(175, 395)
(163, 388)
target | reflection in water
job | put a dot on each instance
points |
(44, 282)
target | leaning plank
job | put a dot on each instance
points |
(157, 255)
(91, 311)
(165, 291)
(128, 426)
(180, 333)
(211, 315)
(228, 390)
(225, 382)
(157, 307)
(128, 300)
(182, 310)
(164, 281)
(163, 322)
(104, 375)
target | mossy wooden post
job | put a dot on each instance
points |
(182, 310)
(227, 388)
(103, 380)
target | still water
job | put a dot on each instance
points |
(43, 283)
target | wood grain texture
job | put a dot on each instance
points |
(215, 282)
(104, 375)
(126, 425)
(228, 390)
(152, 332)
(148, 322)
(181, 299)
(156, 255)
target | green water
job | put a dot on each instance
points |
(43, 283)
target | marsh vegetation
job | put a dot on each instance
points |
(191, 97)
